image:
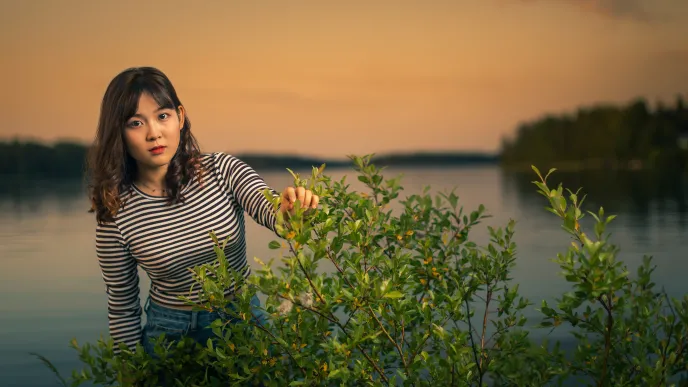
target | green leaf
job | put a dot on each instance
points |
(551, 170)
(334, 374)
(537, 171)
(50, 365)
(394, 294)
(274, 245)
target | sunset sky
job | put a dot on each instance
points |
(330, 78)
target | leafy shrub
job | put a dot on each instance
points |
(370, 294)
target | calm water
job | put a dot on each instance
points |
(52, 290)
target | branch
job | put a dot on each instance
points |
(413, 355)
(403, 333)
(607, 338)
(305, 273)
(339, 324)
(328, 251)
(336, 321)
(262, 328)
(351, 315)
(668, 340)
(470, 335)
(488, 296)
(319, 313)
(391, 340)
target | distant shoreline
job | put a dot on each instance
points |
(411, 159)
(630, 136)
(66, 159)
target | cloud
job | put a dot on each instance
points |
(671, 65)
(616, 9)
(677, 56)
(287, 96)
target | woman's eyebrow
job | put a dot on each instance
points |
(160, 108)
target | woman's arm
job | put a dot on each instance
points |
(247, 187)
(119, 271)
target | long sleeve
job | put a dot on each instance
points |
(247, 187)
(119, 271)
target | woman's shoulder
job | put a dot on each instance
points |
(219, 156)
(220, 160)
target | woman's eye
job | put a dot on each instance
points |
(164, 116)
(134, 124)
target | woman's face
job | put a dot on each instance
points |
(152, 134)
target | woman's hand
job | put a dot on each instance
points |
(290, 195)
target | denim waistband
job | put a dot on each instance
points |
(181, 312)
(159, 307)
(190, 316)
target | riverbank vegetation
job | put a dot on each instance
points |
(372, 289)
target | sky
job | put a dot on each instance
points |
(332, 78)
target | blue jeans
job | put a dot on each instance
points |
(176, 323)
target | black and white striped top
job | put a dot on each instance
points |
(168, 240)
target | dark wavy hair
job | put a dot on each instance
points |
(110, 169)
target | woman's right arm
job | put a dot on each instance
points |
(119, 271)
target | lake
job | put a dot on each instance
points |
(53, 291)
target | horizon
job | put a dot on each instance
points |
(296, 155)
(342, 78)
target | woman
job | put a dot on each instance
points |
(156, 198)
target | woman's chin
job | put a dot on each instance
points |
(154, 162)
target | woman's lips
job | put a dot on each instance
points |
(157, 150)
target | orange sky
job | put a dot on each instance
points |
(337, 77)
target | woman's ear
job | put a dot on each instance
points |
(180, 115)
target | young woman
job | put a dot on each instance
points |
(156, 198)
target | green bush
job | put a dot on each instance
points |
(376, 291)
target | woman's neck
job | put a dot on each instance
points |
(153, 179)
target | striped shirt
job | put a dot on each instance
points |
(168, 240)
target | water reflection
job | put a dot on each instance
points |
(641, 197)
(44, 225)
(22, 196)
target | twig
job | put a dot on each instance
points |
(351, 315)
(335, 321)
(470, 329)
(319, 313)
(305, 273)
(403, 333)
(485, 314)
(391, 340)
(607, 338)
(668, 340)
(261, 327)
(413, 355)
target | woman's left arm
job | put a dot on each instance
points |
(248, 186)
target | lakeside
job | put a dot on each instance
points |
(652, 220)
(630, 136)
(64, 159)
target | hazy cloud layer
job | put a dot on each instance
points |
(625, 9)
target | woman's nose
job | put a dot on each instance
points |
(153, 131)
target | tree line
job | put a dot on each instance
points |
(603, 135)
(63, 159)
(66, 160)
